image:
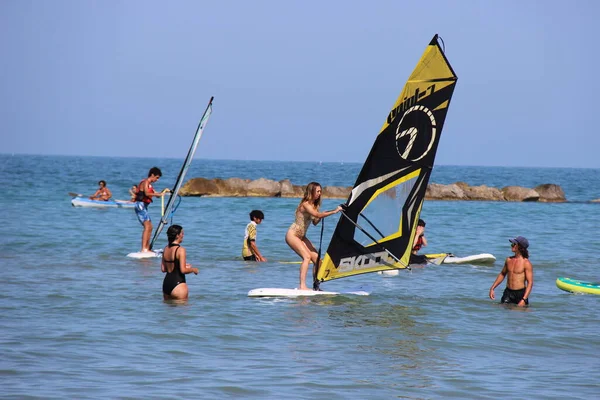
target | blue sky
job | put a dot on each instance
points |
(295, 80)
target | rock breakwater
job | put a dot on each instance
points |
(237, 187)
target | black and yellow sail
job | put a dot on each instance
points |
(377, 228)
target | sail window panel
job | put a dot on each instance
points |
(382, 216)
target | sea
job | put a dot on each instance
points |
(78, 319)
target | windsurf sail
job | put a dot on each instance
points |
(171, 206)
(378, 224)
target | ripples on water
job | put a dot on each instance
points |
(79, 320)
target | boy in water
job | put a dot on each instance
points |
(250, 250)
(420, 241)
(520, 274)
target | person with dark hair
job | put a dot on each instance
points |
(103, 193)
(143, 198)
(250, 249)
(307, 211)
(520, 274)
(420, 241)
(175, 265)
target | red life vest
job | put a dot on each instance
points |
(141, 195)
(419, 244)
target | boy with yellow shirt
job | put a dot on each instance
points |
(250, 250)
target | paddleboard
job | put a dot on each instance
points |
(575, 286)
(280, 292)
(447, 258)
(483, 258)
(85, 202)
(145, 254)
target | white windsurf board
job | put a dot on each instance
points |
(146, 254)
(437, 259)
(484, 258)
(281, 292)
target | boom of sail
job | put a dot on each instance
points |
(171, 206)
(378, 224)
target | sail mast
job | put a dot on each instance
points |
(170, 207)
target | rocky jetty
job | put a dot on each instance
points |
(462, 191)
(237, 187)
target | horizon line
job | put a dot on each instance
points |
(291, 161)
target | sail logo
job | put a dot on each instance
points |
(409, 102)
(365, 261)
(406, 136)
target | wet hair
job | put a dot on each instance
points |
(421, 223)
(309, 193)
(103, 183)
(172, 232)
(524, 252)
(154, 171)
(256, 214)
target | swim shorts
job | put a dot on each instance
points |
(513, 296)
(141, 210)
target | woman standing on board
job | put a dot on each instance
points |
(307, 210)
(175, 266)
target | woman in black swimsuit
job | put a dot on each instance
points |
(174, 264)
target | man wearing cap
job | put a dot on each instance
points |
(520, 274)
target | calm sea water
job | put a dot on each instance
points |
(80, 320)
